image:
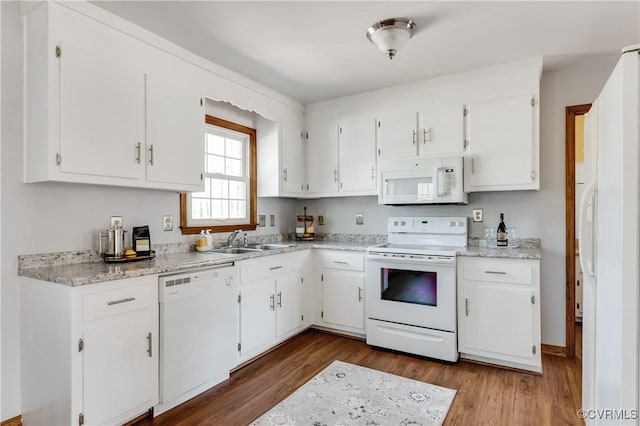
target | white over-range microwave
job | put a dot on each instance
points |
(422, 181)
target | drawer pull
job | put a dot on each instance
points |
(273, 268)
(149, 345)
(125, 300)
(359, 294)
(272, 302)
(495, 272)
(466, 306)
(340, 262)
(280, 299)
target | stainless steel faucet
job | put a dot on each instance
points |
(232, 237)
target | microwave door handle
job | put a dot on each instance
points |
(440, 182)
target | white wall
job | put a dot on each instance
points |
(52, 217)
(539, 214)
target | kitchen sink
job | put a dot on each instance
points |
(270, 246)
(235, 250)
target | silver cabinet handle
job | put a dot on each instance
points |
(273, 268)
(340, 262)
(335, 175)
(151, 154)
(138, 152)
(495, 272)
(466, 306)
(373, 172)
(149, 345)
(279, 299)
(125, 300)
(284, 174)
(415, 137)
(272, 302)
(359, 294)
(471, 165)
(426, 136)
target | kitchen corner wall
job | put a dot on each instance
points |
(52, 217)
(536, 214)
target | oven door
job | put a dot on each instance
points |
(412, 290)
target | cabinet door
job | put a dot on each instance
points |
(498, 319)
(175, 130)
(397, 136)
(102, 115)
(120, 370)
(292, 157)
(322, 157)
(357, 156)
(289, 302)
(257, 315)
(442, 131)
(343, 298)
(501, 144)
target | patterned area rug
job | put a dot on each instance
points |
(347, 394)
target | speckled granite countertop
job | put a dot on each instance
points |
(86, 267)
(528, 248)
(63, 268)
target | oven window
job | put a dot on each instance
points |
(410, 286)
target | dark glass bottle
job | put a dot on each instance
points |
(502, 240)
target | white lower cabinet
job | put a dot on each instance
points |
(499, 311)
(341, 291)
(273, 301)
(90, 353)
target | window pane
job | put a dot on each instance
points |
(237, 209)
(220, 209)
(215, 164)
(237, 190)
(234, 167)
(215, 144)
(200, 208)
(234, 148)
(207, 190)
(219, 188)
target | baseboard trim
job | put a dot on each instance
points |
(14, 421)
(554, 350)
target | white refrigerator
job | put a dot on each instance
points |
(609, 248)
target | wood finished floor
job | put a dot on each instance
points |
(486, 395)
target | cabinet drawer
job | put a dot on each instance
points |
(342, 260)
(511, 271)
(118, 301)
(270, 266)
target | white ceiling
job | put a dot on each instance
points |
(317, 50)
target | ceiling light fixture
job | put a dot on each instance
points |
(391, 34)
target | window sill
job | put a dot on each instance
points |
(194, 230)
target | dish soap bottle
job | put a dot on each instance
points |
(209, 237)
(502, 240)
(201, 242)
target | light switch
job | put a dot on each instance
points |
(272, 220)
(359, 218)
(321, 219)
(262, 221)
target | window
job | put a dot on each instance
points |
(228, 201)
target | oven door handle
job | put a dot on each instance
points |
(423, 260)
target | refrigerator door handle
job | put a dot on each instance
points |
(586, 248)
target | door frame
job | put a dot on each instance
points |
(570, 223)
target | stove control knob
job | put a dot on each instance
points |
(403, 223)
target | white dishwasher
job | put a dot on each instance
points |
(198, 332)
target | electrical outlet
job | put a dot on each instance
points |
(359, 218)
(167, 223)
(477, 215)
(320, 219)
(116, 222)
(262, 221)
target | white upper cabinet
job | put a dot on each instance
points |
(357, 157)
(503, 145)
(175, 131)
(103, 107)
(428, 133)
(322, 157)
(280, 149)
(102, 115)
(341, 157)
